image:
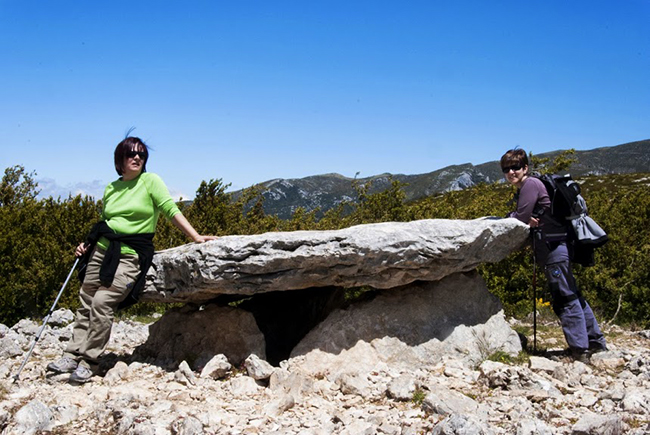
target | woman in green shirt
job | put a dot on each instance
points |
(118, 253)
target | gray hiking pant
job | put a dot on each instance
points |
(94, 320)
(579, 324)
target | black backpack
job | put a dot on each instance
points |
(569, 207)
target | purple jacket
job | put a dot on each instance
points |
(531, 196)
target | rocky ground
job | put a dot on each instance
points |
(541, 394)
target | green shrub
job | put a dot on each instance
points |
(38, 237)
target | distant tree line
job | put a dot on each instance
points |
(38, 236)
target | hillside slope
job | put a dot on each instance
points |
(283, 196)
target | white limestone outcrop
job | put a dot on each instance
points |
(382, 256)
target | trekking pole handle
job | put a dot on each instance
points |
(85, 246)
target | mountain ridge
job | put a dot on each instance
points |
(282, 197)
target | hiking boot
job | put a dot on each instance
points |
(63, 365)
(580, 355)
(81, 375)
(597, 349)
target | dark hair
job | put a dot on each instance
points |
(130, 144)
(514, 157)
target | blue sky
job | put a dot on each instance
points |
(248, 91)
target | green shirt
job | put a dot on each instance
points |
(133, 207)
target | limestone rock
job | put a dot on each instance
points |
(217, 368)
(117, 373)
(462, 424)
(383, 255)
(499, 375)
(61, 317)
(533, 427)
(9, 348)
(637, 401)
(278, 406)
(295, 384)
(537, 363)
(354, 383)
(26, 327)
(444, 401)
(417, 324)
(402, 388)
(242, 386)
(64, 414)
(197, 335)
(34, 417)
(187, 426)
(184, 374)
(516, 378)
(594, 424)
(5, 416)
(300, 399)
(607, 360)
(638, 365)
(257, 368)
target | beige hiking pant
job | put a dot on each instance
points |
(94, 320)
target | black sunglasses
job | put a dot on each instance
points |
(514, 168)
(132, 154)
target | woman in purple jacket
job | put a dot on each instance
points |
(579, 324)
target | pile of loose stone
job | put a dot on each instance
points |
(131, 396)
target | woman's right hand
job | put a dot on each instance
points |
(81, 250)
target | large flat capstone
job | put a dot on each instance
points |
(382, 256)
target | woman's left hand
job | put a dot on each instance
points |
(187, 229)
(81, 250)
(202, 239)
(533, 222)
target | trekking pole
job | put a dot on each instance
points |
(534, 305)
(47, 318)
(535, 235)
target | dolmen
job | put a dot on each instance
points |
(404, 293)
